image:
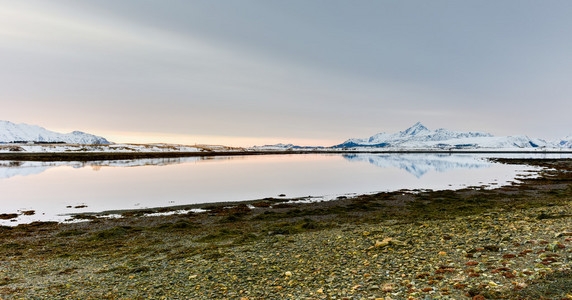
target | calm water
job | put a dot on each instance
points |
(54, 189)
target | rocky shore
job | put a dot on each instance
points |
(513, 242)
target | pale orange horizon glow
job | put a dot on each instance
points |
(187, 139)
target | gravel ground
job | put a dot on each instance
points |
(502, 251)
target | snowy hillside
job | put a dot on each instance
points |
(276, 147)
(284, 147)
(566, 142)
(419, 137)
(10, 132)
(115, 148)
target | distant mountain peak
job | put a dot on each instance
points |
(10, 133)
(565, 142)
(418, 124)
(415, 129)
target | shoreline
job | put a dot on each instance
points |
(513, 242)
(94, 156)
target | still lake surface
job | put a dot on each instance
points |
(56, 189)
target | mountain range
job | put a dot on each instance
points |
(415, 137)
(420, 137)
(10, 133)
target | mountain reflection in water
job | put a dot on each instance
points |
(25, 168)
(420, 164)
(56, 189)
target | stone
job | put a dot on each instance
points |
(492, 248)
(388, 287)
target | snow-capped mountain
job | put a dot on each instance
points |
(10, 132)
(420, 137)
(565, 142)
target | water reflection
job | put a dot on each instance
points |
(420, 164)
(25, 168)
(55, 189)
(415, 164)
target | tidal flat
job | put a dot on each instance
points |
(512, 242)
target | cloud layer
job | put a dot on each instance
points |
(324, 70)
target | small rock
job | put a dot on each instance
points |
(388, 287)
(492, 248)
(520, 285)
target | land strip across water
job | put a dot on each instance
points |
(95, 156)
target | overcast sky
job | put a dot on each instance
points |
(308, 72)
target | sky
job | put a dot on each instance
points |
(261, 72)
